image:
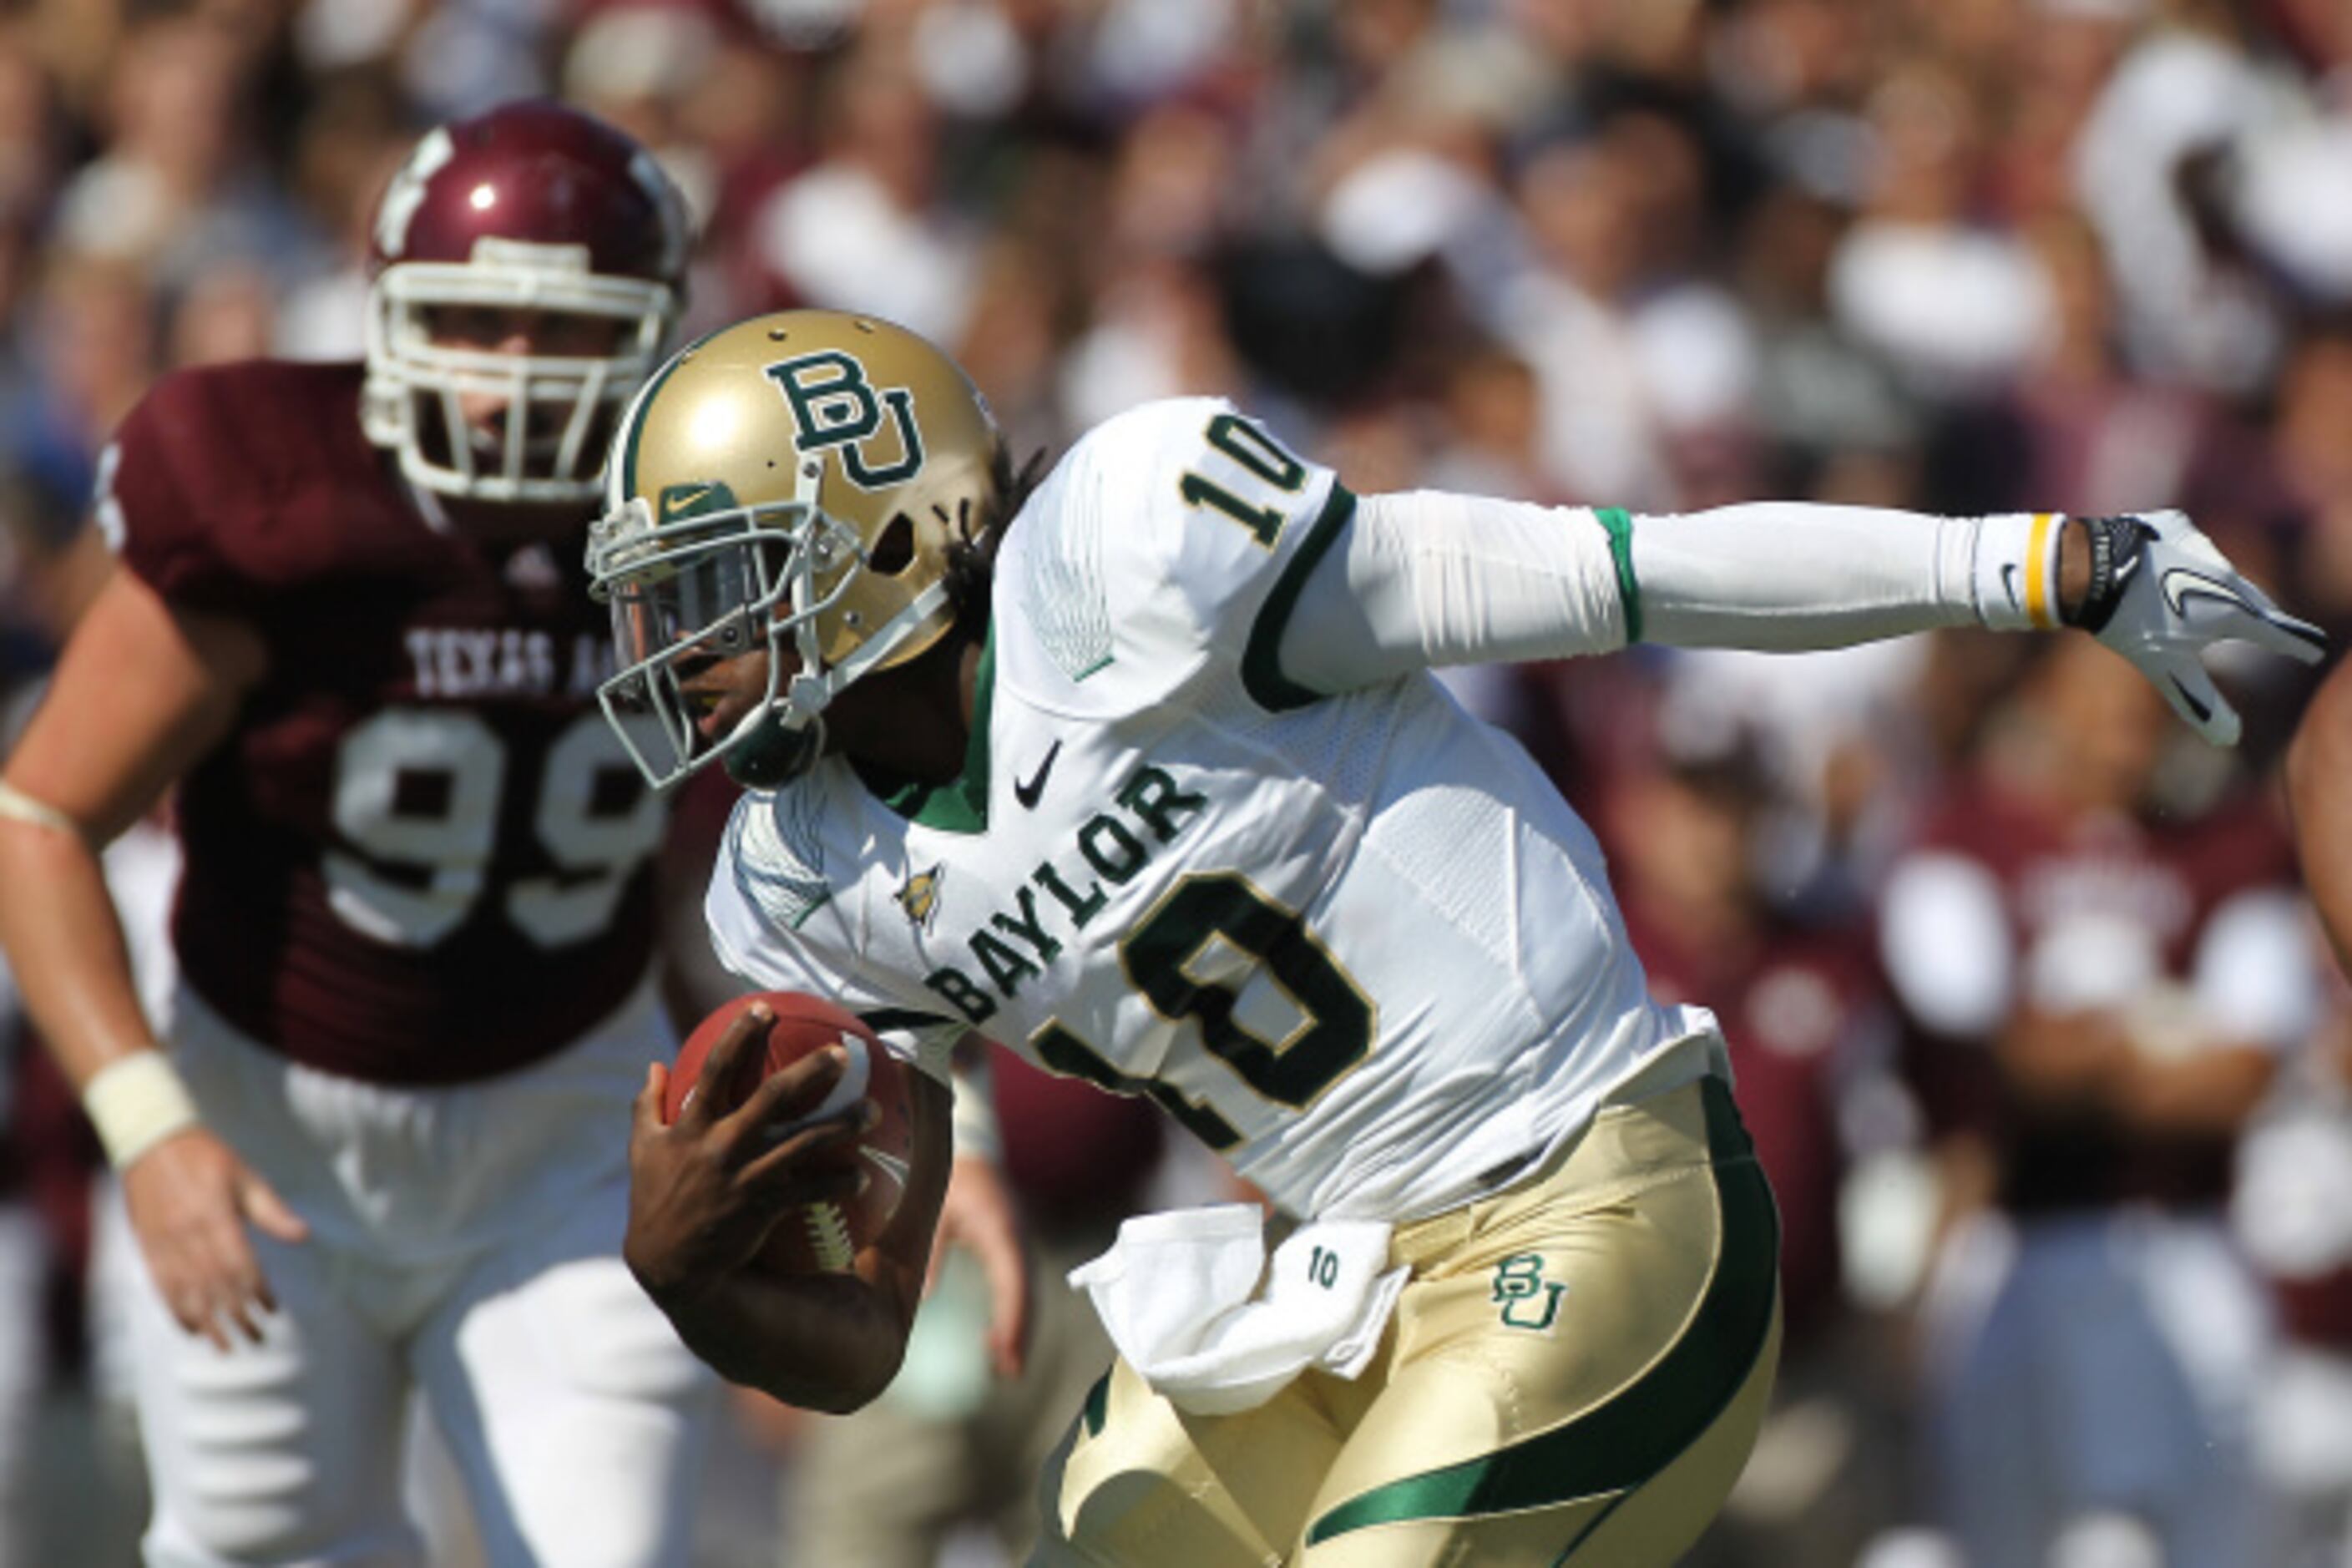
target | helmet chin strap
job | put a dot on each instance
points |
(784, 740)
(780, 744)
(770, 756)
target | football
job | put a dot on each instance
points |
(824, 1237)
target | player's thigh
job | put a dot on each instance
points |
(1662, 1517)
(281, 1452)
(1137, 1482)
(571, 1408)
(1578, 1388)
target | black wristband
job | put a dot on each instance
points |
(2115, 553)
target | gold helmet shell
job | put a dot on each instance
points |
(805, 477)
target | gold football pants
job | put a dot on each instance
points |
(1574, 1375)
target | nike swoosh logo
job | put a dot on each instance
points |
(680, 500)
(2181, 585)
(892, 1166)
(1030, 790)
(2008, 582)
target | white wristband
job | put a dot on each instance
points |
(972, 1127)
(18, 807)
(135, 1103)
(2017, 571)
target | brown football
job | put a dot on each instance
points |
(825, 1237)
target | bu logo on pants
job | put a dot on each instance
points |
(1528, 1300)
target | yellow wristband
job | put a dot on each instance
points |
(2042, 572)
(135, 1103)
(2016, 571)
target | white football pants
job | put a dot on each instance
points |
(465, 1241)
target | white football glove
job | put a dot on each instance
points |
(2160, 593)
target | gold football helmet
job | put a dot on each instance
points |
(800, 478)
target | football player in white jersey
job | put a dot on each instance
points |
(1143, 773)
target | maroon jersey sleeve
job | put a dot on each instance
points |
(175, 484)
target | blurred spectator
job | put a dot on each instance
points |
(2291, 1216)
(1956, 305)
(2183, 91)
(2103, 993)
(863, 229)
(92, 354)
(345, 149)
(176, 188)
(31, 150)
(1630, 360)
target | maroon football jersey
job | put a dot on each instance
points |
(420, 855)
(2165, 882)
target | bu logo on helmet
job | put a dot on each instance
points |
(834, 404)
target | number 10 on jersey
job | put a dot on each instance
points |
(1262, 458)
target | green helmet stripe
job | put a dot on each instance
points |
(639, 411)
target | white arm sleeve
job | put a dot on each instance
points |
(1425, 579)
(1785, 575)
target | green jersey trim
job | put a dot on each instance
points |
(1620, 524)
(884, 1020)
(1097, 1406)
(1617, 1447)
(961, 804)
(1262, 655)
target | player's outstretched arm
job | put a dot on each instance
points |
(1427, 579)
(706, 1190)
(140, 694)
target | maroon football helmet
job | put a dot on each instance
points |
(530, 207)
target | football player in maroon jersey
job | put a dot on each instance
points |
(416, 922)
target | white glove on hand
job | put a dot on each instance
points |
(2160, 593)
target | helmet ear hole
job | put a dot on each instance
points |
(895, 550)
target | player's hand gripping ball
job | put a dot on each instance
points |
(820, 1237)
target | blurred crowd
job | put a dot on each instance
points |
(2049, 1067)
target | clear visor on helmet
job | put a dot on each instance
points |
(698, 593)
(704, 606)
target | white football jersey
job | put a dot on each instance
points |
(1359, 944)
